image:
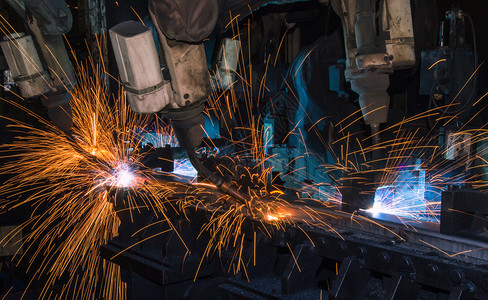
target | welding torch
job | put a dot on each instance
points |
(223, 185)
(181, 97)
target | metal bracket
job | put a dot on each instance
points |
(351, 280)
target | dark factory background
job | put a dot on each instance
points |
(297, 50)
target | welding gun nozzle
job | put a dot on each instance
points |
(223, 185)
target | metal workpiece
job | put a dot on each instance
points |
(464, 213)
(363, 255)
(408, 267)
(357, 259)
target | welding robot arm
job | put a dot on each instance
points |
(181, 26)
(28, 57)
(377, 43)
(379, 39)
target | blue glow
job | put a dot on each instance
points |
(405, 197)
(414, 195)
(159, 140)
(211, 128)
(268, 134)
(183, 167)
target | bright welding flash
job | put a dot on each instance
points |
(124, 177)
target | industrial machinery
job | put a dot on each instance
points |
(400, 255)
(374, 48)
(39, 62)
(398, 201)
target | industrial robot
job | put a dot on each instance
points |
(39, 62)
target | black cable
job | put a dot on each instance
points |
(475, 79)
(475, 53)
(328, 17)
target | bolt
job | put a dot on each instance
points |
(406, 262)
(431, 270)
(453, 187)
(469, 287)
(342, 246)
(456, 276)
(384, 257)
(361, 251)
(459, 14)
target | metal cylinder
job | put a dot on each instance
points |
(25, 64)
(139, 67)
(373, 98)
(398, 26)
(365, 27)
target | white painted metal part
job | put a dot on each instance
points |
(397, 21)
(25, 64)
(139, 67)
(228, 59)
